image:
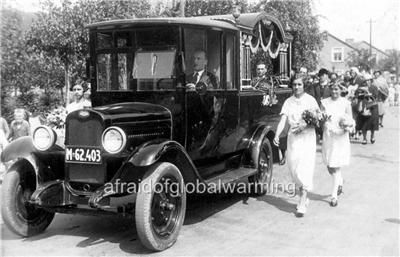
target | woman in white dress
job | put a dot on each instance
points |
(301, 145)
(336, 142)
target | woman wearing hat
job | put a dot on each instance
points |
(367, 118)
(79, 102)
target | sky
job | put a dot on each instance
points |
(342, 18)
(350, 19)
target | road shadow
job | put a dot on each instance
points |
(121, 231)
(279, 203)
(318, 197)
(393, 220)
(201, 207)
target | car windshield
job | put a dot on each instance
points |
(140, 59)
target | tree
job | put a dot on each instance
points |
(60, 30)
(390, 63)
(212, 7)
(360, 59)
(13, 58)
(296, 15)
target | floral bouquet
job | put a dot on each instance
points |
(312, 117)
(56, 118)
(323, 118)
(346, 123)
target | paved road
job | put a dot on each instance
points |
(366, 221)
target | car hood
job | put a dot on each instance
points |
(135, 111)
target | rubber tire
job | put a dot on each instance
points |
(9, 208)
(143, 208)
(254, 180)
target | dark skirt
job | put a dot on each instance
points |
(368, 122)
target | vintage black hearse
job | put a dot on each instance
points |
(148, 127)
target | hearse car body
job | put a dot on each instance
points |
(147, 127)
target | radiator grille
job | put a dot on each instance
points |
(84, 132)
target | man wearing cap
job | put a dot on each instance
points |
(261, 81)
(323, 75)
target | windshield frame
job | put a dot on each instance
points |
(111, 81)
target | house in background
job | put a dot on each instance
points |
(334, 53)
(376, 52)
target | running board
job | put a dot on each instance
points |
(231, 176)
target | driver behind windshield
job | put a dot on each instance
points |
(201, 74)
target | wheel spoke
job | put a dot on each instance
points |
(166, 207)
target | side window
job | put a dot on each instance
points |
(246, 66)
(103, 72)
(104, 40)
(194, 39)
(122, 71)
(208, 41)
(214, 52)
(229, 67)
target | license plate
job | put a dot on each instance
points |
(79, 154)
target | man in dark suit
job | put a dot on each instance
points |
(200, 73)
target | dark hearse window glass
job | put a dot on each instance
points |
(124, 39)
(154, 70)
(195, 39)
(104, 40)
(103, 72)
(208, 41)
(214, 52)
(162, 37)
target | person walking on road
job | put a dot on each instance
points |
(301, 145)
(368, 118)
(336, 142)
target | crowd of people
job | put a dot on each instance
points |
(368, 94)
(349, 106)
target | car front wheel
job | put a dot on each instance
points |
(160, 206)
(18, 214)
(261, 181)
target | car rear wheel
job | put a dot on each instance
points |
(18, 214)
(261, 181)
(160, 206)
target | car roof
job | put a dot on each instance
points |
(246, 22)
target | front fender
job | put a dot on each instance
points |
(150, 152)
(28, 164)
(136, 166)
(165, 150)
(250, 158)
(20, 148)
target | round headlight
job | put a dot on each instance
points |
(43, 138)
(113, 140)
